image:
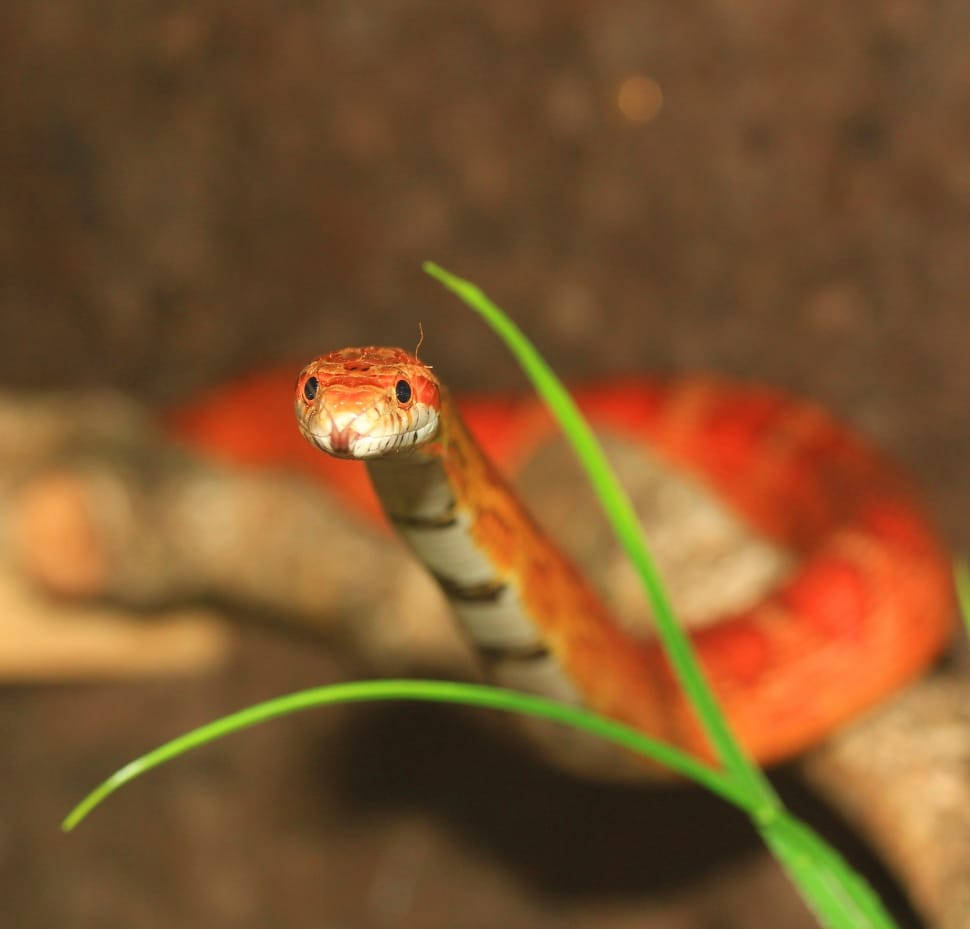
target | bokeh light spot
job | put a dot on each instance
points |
(639, 98)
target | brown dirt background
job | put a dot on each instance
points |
(189, 190)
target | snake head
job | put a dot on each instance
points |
(367, 402)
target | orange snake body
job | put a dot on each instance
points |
(867, 609)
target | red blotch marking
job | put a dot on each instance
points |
(831, 594)
(498, 424)
(734, 650)
(898, 525)
(734, 429)
(249, 420)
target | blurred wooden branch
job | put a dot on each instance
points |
(100, 505)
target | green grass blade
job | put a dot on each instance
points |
(840, 899)
(961, 578)
(619, 511)
(435, 691)
(837, 896)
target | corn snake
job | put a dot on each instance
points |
(867, 607)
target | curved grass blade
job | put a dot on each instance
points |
(836, 894)
(840, 898)
(494, 698)
(623, 518)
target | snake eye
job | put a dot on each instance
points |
(310, 388)
(402, 390)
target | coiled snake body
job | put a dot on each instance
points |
(867, 608)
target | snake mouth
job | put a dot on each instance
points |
(338, 444)
(340, 436)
